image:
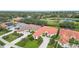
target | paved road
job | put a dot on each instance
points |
(45, 42)
(16, 40)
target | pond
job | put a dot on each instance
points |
(71, 19)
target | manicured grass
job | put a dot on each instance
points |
(4, 31)
(76, 26)
(12, 36)
(30, 42)
(51, 22)
(1, 43)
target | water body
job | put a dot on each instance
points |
(72, 19)
(69, 20)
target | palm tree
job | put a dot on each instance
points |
(58, 32)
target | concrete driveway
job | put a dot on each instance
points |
(45, 42)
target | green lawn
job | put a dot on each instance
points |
(12, 36)
(51, 22)
(30, 42)
(76, 26)
(4, 31)
(1, 44)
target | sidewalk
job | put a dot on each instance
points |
(16, 40)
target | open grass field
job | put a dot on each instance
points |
(51, 22)
(54, 22)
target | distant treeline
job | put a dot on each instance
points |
(34, 21)
(31, 17)
(63, 14)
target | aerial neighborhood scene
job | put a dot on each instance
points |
(40, 29)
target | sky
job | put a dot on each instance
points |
(39, 5)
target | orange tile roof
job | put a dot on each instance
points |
(65, 34)
(49, 30)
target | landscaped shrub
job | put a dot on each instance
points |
(30, 37)
(5, 37)
(40, 40)
(67, 25)
(73, 41)
(51, 42)
(32, 32)
(54, 42)
(17, 34)
(1, 43)
(57, 45)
